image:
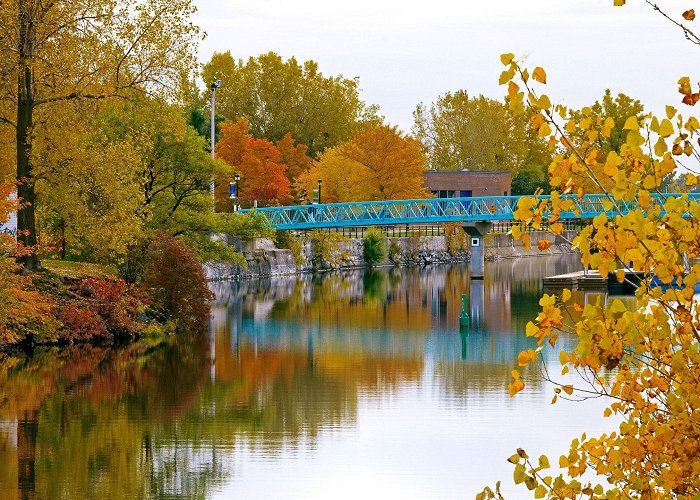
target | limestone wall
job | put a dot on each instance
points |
(264, 259)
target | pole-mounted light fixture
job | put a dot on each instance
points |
(213, 88)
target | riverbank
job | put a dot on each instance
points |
(313, 253)
(163, 292)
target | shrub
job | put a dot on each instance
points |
(456, 239)
(175, 283)
(133, 267)
(102, 309)
(325, 247)
(395, 252)
(82, 323)
(374, 251)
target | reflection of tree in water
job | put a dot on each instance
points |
(87, 421)
(286, 388)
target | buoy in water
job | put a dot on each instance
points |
(464, 316)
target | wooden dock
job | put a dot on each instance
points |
(592, 280)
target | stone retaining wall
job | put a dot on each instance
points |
(264, 259)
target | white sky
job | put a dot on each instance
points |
(406, 52)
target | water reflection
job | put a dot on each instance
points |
(292, 366)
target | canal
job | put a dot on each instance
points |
(342, 385)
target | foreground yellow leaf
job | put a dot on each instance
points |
(506, 59)
(631, 123)
(539, 75)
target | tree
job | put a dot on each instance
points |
(88, 185)
(377, 163)
(295, 156)
(258, 161)
(148, 46)
(646, 360)
(277, 97)
(528, 180)
(477, 133)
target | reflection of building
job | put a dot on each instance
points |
(467, 183)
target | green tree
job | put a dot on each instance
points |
(477, 133)
(619, 109)
(279, 97)
(527, 180)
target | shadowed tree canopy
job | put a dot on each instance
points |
(279, 97)
(57, 51)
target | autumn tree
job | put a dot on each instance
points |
(295, 156)
(277, 97)
(377, 163)
(55, 52)
(645, 360)
(477, 133)
(259, 164)
(88, 188)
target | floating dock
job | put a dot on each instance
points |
(592, 280)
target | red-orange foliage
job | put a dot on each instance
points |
(259, 163)
(175, 282)
(105, 309)
(23, 311)
(294, 156)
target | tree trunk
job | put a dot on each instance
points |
(26, 221)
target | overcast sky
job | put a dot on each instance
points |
(406, 52)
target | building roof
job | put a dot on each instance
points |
(468, 171)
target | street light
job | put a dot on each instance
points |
(213, 87)
(237, 178)
(320, 181)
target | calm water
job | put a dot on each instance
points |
(354, 385)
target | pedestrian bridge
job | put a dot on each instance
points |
(431, 211)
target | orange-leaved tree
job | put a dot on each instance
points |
(377, 163)
(645, 359)
(259, 164)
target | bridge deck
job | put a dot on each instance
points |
(429, 211)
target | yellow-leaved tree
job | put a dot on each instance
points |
(377, 163)
(645, 360)
(52, 52)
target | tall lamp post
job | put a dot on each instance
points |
(320, 181)
(213, 87)
(237, 178)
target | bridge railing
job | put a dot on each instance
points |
(429, 211)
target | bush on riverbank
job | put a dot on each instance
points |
(456, 240)
(326, 249)
(374, 247)
(175, 283)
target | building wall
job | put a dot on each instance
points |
(453, 182)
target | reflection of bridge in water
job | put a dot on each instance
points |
(411, 313)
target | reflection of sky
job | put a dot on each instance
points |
(444, 435)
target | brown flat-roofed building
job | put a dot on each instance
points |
(467, 183)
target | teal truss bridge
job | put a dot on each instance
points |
(430, 211)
